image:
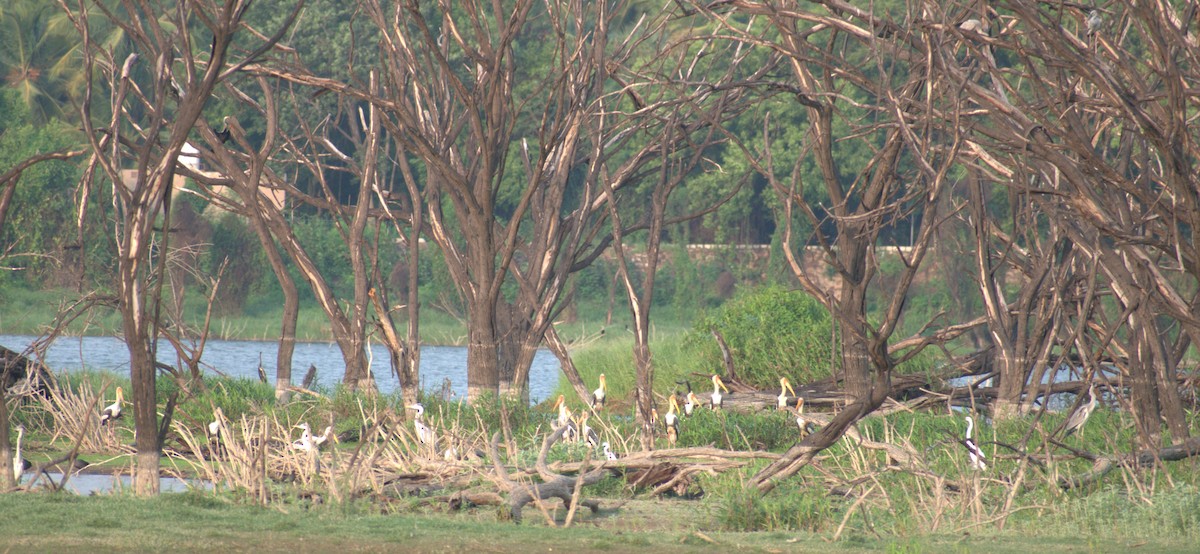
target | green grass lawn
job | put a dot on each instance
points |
(194, 522)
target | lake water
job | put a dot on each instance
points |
(95, 483)
(241, 359)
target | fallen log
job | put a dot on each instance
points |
(21, 376)
(1105, 464)
(553, 486)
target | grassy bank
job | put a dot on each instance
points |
(878, 506)
(27, 312)
(194, 522)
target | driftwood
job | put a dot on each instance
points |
(21, 376)
(1105, 464)
(554, 485)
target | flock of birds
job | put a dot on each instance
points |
(577, 428)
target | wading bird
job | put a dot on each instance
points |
(424, 432)
(599, 394)
(672, 421)
(717, 398)
(565, 419)
(690, 405)
(113, 411)
(785, 387)
(318, 440)
(1080, 416)
(587, 434)
(973, 452)
(305, 443)
(608, 453)
(215, 444)
(214, 426)
(19, 464)
(806, 426)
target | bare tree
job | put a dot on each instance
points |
(453, 96)
(894, 107)
(1083, 112)
(156, 94)
(244, 169)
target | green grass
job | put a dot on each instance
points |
(899, 511)
(29, 312)
(194, 522)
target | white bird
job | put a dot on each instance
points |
(973, 452)
(19, 464)
(424, 433)
(305, 443)
(214, 426)
(690, 405)
(318, 440)
(608, 453)
(802, 422)
(785, 386)
(113, 411)
(564, 413)
(587, 434)
(1094, 22)
(599, 394)
(215, 442)
(565, 419)
(1080, 416)
(972, 25)
(672, 421)
(717, 398)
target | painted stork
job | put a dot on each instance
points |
(690, 405)
(599, 394)
(785, 387)
(718, 399)
(113, 411)
(565, 419)
(672, 421)
(586, 433)
(978, 459)
(806, 426)
(1079, 417)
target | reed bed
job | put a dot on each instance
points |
(75, 416)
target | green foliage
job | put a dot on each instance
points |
(772, 332)
(39, 231)
(739, 507)
(1116, 513)
(38, 57)
(233, 242)
(773, 431)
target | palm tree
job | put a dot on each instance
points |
(38, 47)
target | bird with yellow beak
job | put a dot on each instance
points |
(565, 419)
(113, 411)
(785, 387)
(672, 421)
(599, 394)
(717, 398)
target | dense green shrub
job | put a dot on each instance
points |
(772, 332)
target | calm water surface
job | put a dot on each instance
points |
(94, 483)
(236, 358)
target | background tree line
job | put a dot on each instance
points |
(1037, 159)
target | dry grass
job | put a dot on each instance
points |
(76, 417)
